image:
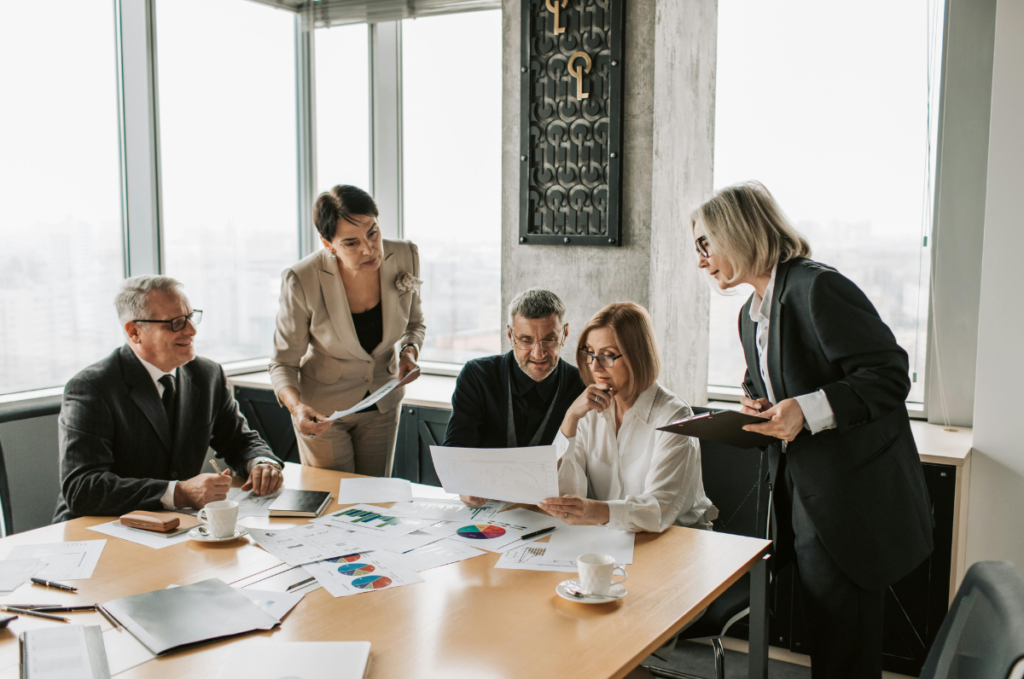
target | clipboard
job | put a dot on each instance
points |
(722, 426)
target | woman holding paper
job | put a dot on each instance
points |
(349, 323)
(615, 468)
(850, 501)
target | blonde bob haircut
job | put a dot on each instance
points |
(747, 228)
(634, 336)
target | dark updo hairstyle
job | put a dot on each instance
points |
(341, 202)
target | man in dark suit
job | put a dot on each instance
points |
(135, 427)
(517, 399)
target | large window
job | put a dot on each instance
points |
(342, 107)
(60, 204)
(451, 104)
(832, 107)
(228, 164)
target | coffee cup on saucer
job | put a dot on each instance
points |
(596, 572)
(220, 518)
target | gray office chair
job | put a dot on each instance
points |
(5, 498)
(982, 636)
(736, 481)
(29, 470)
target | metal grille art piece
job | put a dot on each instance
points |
(571, 134)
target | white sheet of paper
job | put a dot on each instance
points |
(124, 651)
(64, 560)
(569, 542)
(57, 653)
(445, 510)
(493, 535)
(398, 545)
(307, 543)
(278, 604)
(511, 474)
(367, 573)
(279, 579)
(355, 491)
(140, 537)
(373, 521)
(375, 396)
(265, 659)
(437, 554)
(15, 572)
(534, 558)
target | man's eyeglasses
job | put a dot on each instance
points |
(702, 246)
(178, 323)
(606, 360)
(546, 345)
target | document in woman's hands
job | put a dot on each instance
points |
(511, 474)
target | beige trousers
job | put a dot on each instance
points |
(363, 443)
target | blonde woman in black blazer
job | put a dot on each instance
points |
(349, 321)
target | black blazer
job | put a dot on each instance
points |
(116, 454)
(480, 403)
(861, 482)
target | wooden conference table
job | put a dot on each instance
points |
(467, 619)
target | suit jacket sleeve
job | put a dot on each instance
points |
(231, 437)
(854, 337)
(291, 335)
(468, 412)
(415, 328)
(86, 433)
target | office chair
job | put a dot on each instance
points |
(982, 636)
(6, 514)
(736, 481)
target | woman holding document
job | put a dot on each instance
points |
(850, 502)
(615, 468)
(349, 322)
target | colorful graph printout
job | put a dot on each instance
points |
(372, 582)
(354, 569)
(482, 531)
(374, 521)
(373, 571)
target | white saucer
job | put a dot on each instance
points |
(614, 594)
(194, 534)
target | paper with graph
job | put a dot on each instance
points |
(511, 474)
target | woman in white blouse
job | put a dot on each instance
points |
(615, 468)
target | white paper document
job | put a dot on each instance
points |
(397, 545)
(64, 652)
(355, 491)
(569, 542)
(375, 396)
(15, 572)
(64, 560)
(271, 660)
(307, 543)
(278, 604)
(345, 576)
(373, 521)
(494, 535)
(124, 651)
(281, 578)
(140, 537)
(511, 474)
(532, 557)
(437, 554)
(445, 510)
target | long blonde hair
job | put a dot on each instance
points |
(746, 227)
(634, 336)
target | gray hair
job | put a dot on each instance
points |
(535, 303)
(132, 299)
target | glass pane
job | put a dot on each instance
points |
(342, 107)
(61, 256)
(452, 177)
(228, 165)
(836, 123)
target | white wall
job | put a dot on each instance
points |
(997, 468)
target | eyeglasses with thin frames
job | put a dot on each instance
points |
(546, 345)
(178, 322)
(606, 360)
(702, 246)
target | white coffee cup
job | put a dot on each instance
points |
(596, 571)
(220, 517)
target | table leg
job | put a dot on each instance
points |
(758, 649)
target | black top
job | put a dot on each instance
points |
(480, 402)
(530, 401)
(369, 328)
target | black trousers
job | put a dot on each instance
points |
(844, 620)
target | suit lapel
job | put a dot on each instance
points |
(186, 396)
(142, 392)
(391, 309)
(503, 393)
(748, 336)
(775, 335)
(337, 306)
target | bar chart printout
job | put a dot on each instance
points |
(527, 475)
(374, 521)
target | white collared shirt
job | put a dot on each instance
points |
(818, 415)
(649, 478)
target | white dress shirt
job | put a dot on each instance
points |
(650, 479)
(167, 499)
(818, 415)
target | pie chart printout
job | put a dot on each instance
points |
(354, 569)
(344, 559)
(372, 582)
(483, 531)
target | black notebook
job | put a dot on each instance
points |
(307, 503)
(722, 426)
(71, 649)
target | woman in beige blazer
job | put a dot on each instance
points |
(350, 321)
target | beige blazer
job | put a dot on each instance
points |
(316, 349)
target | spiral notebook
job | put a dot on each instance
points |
(65, 652)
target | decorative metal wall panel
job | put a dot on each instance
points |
(571, 130)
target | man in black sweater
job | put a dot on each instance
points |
(517, 399)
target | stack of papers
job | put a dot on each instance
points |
(63, 560)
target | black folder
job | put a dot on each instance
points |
(722, 426)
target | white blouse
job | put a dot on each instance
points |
(650, 479)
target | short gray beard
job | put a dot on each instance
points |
(524, 363)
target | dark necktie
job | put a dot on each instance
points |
(168, 399)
